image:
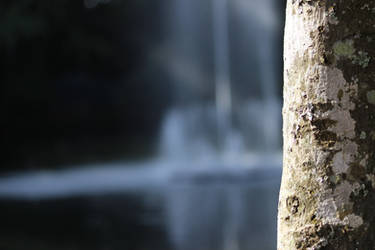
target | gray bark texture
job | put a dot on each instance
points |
(327, 195)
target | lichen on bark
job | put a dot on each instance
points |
(327, 194)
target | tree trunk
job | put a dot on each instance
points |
(327, 197)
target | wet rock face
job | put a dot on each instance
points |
(327, 122)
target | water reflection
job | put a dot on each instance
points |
(230, 216)
(213, 183)
(199, 209)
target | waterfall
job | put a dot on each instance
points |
(261, 21)
(223, 127)
(222, 71)
(221, 196)
(271, 115)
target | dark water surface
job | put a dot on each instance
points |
(204, 210)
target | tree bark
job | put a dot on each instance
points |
(327, 197)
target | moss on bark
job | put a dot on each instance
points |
(327, 196)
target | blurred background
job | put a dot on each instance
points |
(140, 125)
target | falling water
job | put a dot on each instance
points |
(222, 220)
(206, 203)
(239, 128)
(222, 71)
(271, 115)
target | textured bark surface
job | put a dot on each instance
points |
(327, 197)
